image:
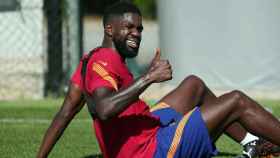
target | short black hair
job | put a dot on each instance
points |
(118, 9)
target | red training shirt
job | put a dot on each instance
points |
(132, 133)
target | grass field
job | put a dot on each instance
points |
(23, 123)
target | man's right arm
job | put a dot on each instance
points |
(72, 104)
(107, 102)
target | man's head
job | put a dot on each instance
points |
(123, 24)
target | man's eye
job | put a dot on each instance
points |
(129, 26)
(140, 29)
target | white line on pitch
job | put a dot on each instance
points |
(39, 121)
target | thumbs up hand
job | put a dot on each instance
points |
(157, 56)
(159, 70)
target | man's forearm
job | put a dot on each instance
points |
(53, 133)
(115, 102)
(72, 104)
(130, 94)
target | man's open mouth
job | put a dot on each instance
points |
(132, 43)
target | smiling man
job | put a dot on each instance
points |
(185, 123)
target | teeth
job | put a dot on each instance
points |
(131, 43)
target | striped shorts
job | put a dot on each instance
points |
(182, 136)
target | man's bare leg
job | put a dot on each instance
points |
(193, 92)
(237, 107)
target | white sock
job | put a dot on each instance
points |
(248, 138)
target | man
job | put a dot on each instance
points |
(186, 122)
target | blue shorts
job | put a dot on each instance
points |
(182, 136)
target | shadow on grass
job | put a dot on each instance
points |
(220, 154)
(93, 156)
(227, 154)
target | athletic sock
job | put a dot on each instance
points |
(248, 138)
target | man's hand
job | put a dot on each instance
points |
(159, 70)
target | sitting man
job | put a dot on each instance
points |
(184, 123)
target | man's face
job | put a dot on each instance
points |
(126, 34)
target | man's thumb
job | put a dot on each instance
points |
(157, 56)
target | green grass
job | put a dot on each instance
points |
(21, 138)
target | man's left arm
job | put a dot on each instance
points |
(72, 104)
(107, 102)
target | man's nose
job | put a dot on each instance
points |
(135, 32)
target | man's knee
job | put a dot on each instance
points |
(193, 83)
(193, 80)
(239, 99)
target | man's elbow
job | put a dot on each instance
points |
(104, 112)
(102, 117)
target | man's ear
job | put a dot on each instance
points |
(108, 30)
